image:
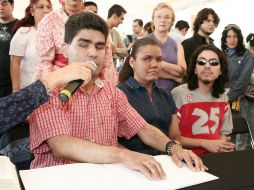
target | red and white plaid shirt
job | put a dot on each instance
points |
(99, 117)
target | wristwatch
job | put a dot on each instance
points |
(169, 145)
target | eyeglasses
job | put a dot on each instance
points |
(230, 26)
(212, 62)
(4, 2)
(167, 17)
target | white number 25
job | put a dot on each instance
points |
(198, 127)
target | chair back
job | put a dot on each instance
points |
(241, 126)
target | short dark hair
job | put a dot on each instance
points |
(181, 24)
(240, 47)
(127, 71)
(10, 1)
(203, 15)
(250, 39)
(90, 3)
(116, 9)
(220, 83)
(84, 20)
(139, 21)
(148, 27)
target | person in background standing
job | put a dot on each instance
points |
(23, 44)
(7, 21)
(137, 27)
(178, 33)
(204, 25)
(250, 90)
(240, 66)
(116, 15)
(91, 6)
(173, 65)
(147, 29)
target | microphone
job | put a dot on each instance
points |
(70, 89)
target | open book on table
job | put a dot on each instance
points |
(80, 176)
(8, 175)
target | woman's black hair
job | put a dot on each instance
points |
(127, 71)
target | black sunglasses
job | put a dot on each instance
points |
(212, 62)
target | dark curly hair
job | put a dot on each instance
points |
(220, 83)
(240, 48)
(203, 15)
(127, 71)
(250, 39)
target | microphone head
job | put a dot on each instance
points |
(95, 66)
(92, 63)
(63, 97)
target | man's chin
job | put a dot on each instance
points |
(206, 82)
(209, 33)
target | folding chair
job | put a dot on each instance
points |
(241, 126)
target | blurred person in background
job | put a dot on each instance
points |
(250, 90)
(240, 66)
(178, 33)
(7, 22)
(147, 29)
(23, 44)
(91, 6)
(115, 17)
(137, 27)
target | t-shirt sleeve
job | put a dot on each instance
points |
(18, 43)
(227, 125)
(129, 120)
(176, 94)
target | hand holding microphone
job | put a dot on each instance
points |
(71, 88)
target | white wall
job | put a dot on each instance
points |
(229, 11)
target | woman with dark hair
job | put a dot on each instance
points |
(250, 90)
(147, 29)
(240, 65)
(23, 44)
(137, 80)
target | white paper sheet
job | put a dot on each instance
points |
(82, 176)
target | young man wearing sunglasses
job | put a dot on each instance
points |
(204, 114)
